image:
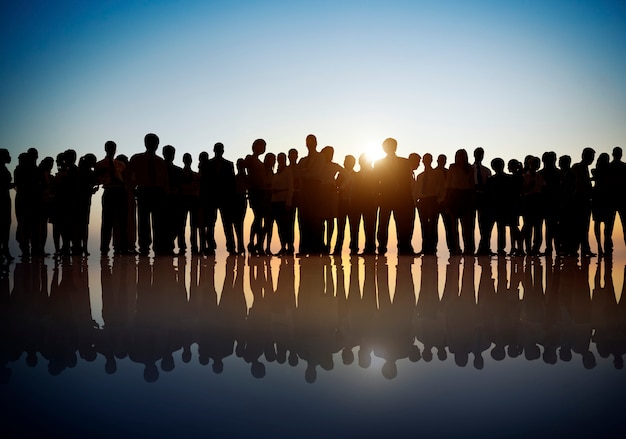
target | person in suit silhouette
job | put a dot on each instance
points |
(190, 200)
(582, 201)
(617, 169)
(430, 191)
(311, 170)
(460, 201)
(485, 222)
(148, 173)
(365, 202)
(551, 178)
(173, 215)
(394, 176)
(218, 176)
(110, 174)
(500, 203)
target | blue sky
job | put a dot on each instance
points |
(513, 77)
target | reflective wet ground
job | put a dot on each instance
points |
(311, 347)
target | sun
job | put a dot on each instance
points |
(373, 151)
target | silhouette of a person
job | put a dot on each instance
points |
(394, 176)
(429, 192)
(601, 201)
(365, 202)
(257, 184)
(311, 171)
(346, 210)
(148, 173)
(190, 201)
(460, 202)
(6, 185)
(582, 201)
(617, 169)
(550, 208)
(110, 174)
(485, 222)
(218, 184)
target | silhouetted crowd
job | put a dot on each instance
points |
(147, 201)
(158, 312)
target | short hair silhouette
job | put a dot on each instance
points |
(390, 145)
(151, 142)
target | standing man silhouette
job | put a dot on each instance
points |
(582, 201)
(485, 222)
(148, 173)
(311, 170)
(430, 192)
(109, 173)
(395, 177)
(220, 184)
(617, 180)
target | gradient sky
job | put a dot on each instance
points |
(514, 77)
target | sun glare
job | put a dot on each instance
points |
(373, 151)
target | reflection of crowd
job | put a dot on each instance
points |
(156, 310)
(148, 201)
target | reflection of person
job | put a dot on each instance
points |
(430, 325)
(394, 334)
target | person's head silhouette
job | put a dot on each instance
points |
(427, 160)
(110, 147)
(479, 155)
(460, 157)
(187, 160)
(617, 153)
(258, 147)
(218, 149)
(293, 156)
(311, 142)
(390, 145)
(151, 141)
(588, 155)
(168, 153)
